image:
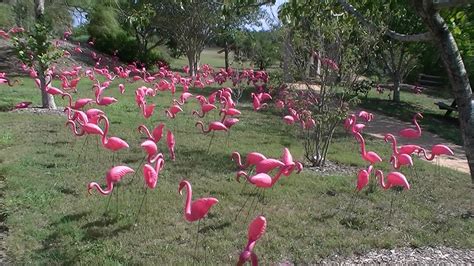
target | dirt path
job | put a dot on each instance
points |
(383, 124)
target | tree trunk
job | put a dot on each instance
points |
(396, 87)
(287, 57)
(47, 100)
(447, 47)
(191, 64)
(39, 9)
(226, 56)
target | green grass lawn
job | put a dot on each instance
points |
(208, 56)
(433, 121)
(52, 219)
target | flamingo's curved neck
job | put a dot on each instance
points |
(242, 173)
(189, 194)
(67, 110)
(418, 128)
(237, 158)
(202, 127)
(431, 158)
(147, 132)
(107, 191)
(396, 165)
(250, 245)
(379, 175)
(106, 130)
(159, 164)
(394, 144)
(200, 115)
(369, 170)
(70, 99)
(74, 129)
(362, 143)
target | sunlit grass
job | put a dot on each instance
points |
(52, 219)
(434, 119)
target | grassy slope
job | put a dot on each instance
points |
(53, 220)
(433, 121)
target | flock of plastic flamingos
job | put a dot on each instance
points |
(267, 170)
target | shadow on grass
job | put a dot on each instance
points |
(71, 218)
(404, 111)
(214, 227)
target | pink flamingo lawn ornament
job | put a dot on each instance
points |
(363, 178)
(404, 149)
(399, 158)
(113, 176)
(151, 175)
(111, 143)
(436, 151)
(86, 126)
(290, 165)
(183, 98)
(121, 88)
(171, 142)
(5, 80)
(102, 100)
(252, 159)
(23, 105)
(79, 104)
(289, 120)
(351, 124)
(256, 230)
(173, 111)
(411, 133)
(257, 105)
(394, 179)
(267, 165)
(149, 146)
(155, 135)
(205, 108)
(213, 126)
(195, 210)
(366, 116)
(368, 156)
(147, 110)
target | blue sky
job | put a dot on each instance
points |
(273, 11)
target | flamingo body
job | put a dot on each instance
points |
(394, 179)
(197, 209)
(113, 175)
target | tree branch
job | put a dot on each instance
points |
(421, 37)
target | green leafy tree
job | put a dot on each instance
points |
(140, 19)
(36, 50)
(324, 49)
(235, 17)
(188, 25)
(261, 48)
(440, 36)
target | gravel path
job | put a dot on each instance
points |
(425, 255)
